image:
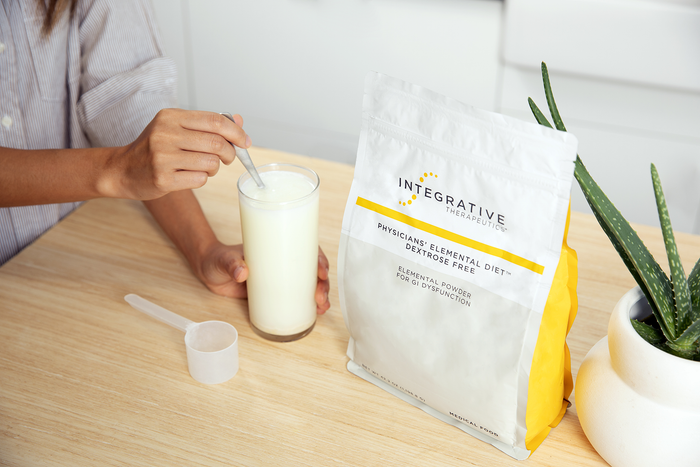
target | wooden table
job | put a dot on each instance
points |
(87, 380)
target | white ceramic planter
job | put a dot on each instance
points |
(638, 405)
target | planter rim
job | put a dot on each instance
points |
(650, 371)
(628, 300)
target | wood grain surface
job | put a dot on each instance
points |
(85, 380)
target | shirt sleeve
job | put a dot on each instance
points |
(125, 77)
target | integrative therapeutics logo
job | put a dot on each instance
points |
(409, 186)
(426, 188)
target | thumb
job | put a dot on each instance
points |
(233, 264)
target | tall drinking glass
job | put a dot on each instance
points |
(280, 244)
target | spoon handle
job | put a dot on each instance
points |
(158, 312)
(244, 157)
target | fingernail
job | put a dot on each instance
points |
(237, 273)
(247, 141)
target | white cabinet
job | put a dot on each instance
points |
(626, 77)
(652, 42)
(623, 128)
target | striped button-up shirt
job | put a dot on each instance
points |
(96, 81)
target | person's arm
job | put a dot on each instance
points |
(178, 150)
(51, 175)
(220, 267)
(181, 218)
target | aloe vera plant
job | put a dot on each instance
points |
(674, 301)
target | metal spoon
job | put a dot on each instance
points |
(244, 157)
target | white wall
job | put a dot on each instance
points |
(294, 69)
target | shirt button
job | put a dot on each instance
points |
(2, 47)
(6, 121)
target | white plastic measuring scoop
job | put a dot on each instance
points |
(212, 346)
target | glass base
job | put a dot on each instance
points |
(275, 338)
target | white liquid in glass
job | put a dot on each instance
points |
(280, 243)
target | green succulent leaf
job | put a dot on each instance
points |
(681, 292)
(648, 333)
(558, 123)
(694, 286)
(690, 338)
(639, 261)
(539, 116)
(675, 302)
(688, 352)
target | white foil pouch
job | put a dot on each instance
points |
(452, 233)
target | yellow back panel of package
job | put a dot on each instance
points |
(551, 382)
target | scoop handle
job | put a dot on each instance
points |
(158, 312)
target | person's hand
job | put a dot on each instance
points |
(178, 150)
(224, 272)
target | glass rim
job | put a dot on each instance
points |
(278, 166)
